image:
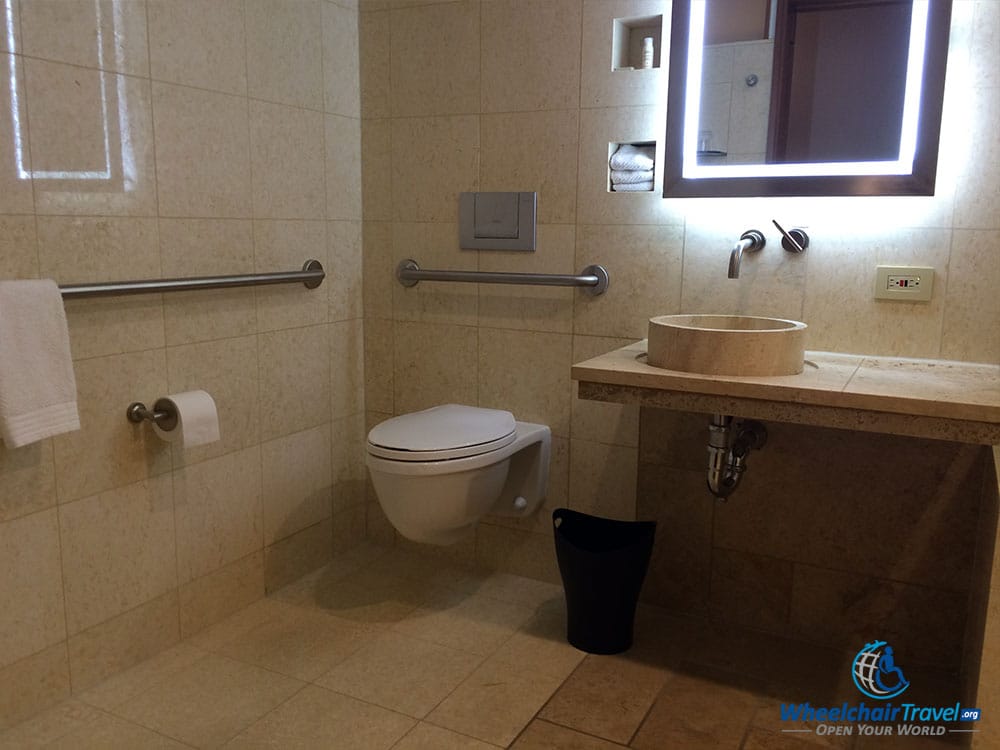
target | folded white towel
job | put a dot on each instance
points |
(633, 157)
(37, 387)
(633, 187)
(626, 176)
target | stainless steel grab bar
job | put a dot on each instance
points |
(312, 275)
(594, 278)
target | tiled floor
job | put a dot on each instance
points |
(387, 649)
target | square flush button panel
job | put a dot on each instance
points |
(911, 283)
(497, 221)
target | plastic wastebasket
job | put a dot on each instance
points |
(602, 563)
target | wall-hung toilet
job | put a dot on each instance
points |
(438, 472)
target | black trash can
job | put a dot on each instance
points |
(602, 563)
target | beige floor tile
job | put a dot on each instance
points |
(126, 685)
(405, 674)
(295, 641)
(528, 592)
(541, 645)
(210, 701)
(111, 732)
(473, 623)
(495, 703)
(541, 735)
(607, 696)
(762, 739)
(320, 719)
(49, 726)
(429, 737)
(683, 715)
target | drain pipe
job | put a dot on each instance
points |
(729, 443)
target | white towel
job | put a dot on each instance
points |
(37, 387)
(633, 157)
(634, 187)
(626, 176)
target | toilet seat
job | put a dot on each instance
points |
(442, 433)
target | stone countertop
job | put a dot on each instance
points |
(922, 397)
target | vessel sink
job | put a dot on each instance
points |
(727, 344)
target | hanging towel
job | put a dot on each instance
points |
(37, 387)
(633, 157)
(626, 176)
(634, 187)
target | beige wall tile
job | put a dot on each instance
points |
(202, 153)
(87, 124)
(345, 285)
(343, 168)
(373, 40)
(976, 201)
(218, 509)
(27, 480)
(286, 246)
(294, 379)
(529, 308)
(285, 52)
(603, 86)
(297, 555)
(18, 247)
(81, 250)
(376, 177)
(433, 246)
(433, 160)
(347, 363)
(123, 641)
(227, 370)
(348, 457)
(16, 194)
(433, 365)
(321, 718)
(32, 685)
(534, 151)
(107, 34)
(643, 263)
(617, 424)
(211, 598)
(673, 438)
(378, 269)
(297, 478)
(972, 272)
(206, 247)
(238, 693)
(31, 601)
(198, 44)
(349, 527)
(341, 63)
(434, 57)
(511, 360)
(522, 553)
(117, 551)
(602, 479)
(752, 590)
(108, 451)
(379, 365)
(531, 55)
(286, 159)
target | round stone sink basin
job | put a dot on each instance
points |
(727, 344)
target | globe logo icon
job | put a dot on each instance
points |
(875, 672)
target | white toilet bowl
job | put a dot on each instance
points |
(438, 472)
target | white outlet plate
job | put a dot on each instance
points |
(910, 283)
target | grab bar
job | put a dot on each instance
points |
(312, 275)
(594, 278)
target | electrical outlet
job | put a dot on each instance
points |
(911, 283)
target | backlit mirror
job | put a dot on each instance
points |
(805, 97)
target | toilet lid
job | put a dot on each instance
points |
(449, 431)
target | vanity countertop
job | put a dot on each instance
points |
(920, 397)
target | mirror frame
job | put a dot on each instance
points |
(919, 182)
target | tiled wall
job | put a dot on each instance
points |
(521, 95)
(234, 147)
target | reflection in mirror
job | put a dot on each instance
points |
(805, 97)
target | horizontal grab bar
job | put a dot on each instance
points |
(312, 275)
(594, 278)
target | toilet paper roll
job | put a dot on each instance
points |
(197, 418)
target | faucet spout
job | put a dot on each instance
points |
(750, 241)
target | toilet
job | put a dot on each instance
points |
(437, 472)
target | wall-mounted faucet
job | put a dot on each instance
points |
(751, 241)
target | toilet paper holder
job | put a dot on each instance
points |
(164, 414)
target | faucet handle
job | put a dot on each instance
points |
(794, 240)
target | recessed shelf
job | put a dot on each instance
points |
(635, 164)
(627, 41)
